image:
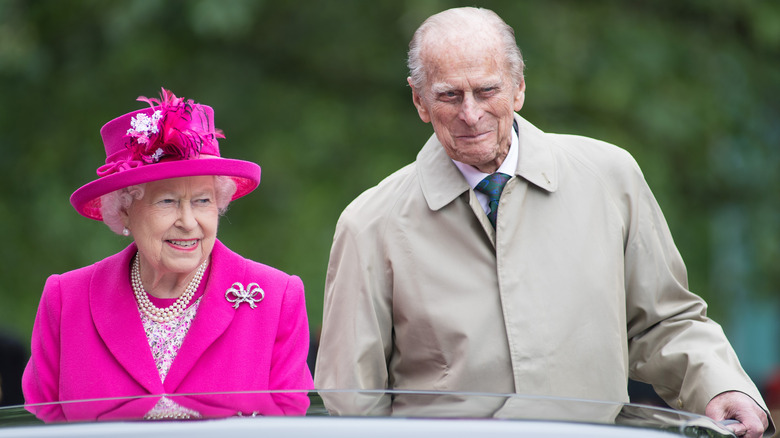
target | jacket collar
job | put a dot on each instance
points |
(442, 182)
(115, 313)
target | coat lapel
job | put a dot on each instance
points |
(214, 314)
(115, 313)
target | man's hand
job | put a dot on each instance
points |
(738, 406)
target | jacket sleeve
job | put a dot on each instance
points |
(289, 369)
(40, 382)
(672, 343)
(356, 340)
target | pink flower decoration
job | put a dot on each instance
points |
(177, 128)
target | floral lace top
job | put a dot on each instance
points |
(167, 409)
(165, 338)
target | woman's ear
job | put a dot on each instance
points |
(125, 217)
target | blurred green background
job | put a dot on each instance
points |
(315, 92)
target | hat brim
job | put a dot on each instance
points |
(86, 199)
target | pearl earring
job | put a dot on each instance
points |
(125, 231)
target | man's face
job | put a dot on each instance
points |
(470, 98)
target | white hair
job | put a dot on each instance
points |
(114, 203)
(459, 18)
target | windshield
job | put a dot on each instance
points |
(405, 404)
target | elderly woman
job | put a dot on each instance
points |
(176, 311)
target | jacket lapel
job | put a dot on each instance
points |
(214, 315)
(115, 313)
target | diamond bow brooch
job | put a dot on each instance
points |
(241, 295)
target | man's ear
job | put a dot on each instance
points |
(422, 110)
(519, 96)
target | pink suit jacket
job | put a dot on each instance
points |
(88, 341)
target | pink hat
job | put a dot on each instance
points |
(173, 138)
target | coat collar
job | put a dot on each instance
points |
(115, 313)
(442, 182)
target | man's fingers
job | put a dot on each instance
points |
(739, 429)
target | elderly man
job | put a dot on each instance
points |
(566, 285)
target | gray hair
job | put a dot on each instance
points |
(457, 17)
(113, 204)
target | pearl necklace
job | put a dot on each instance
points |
(167, 314)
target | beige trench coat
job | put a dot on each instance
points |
(579, 288)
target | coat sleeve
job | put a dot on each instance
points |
(672, 343)
(40, 382)
(356, 340)
(289, 369)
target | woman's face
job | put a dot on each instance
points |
(174, 225)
